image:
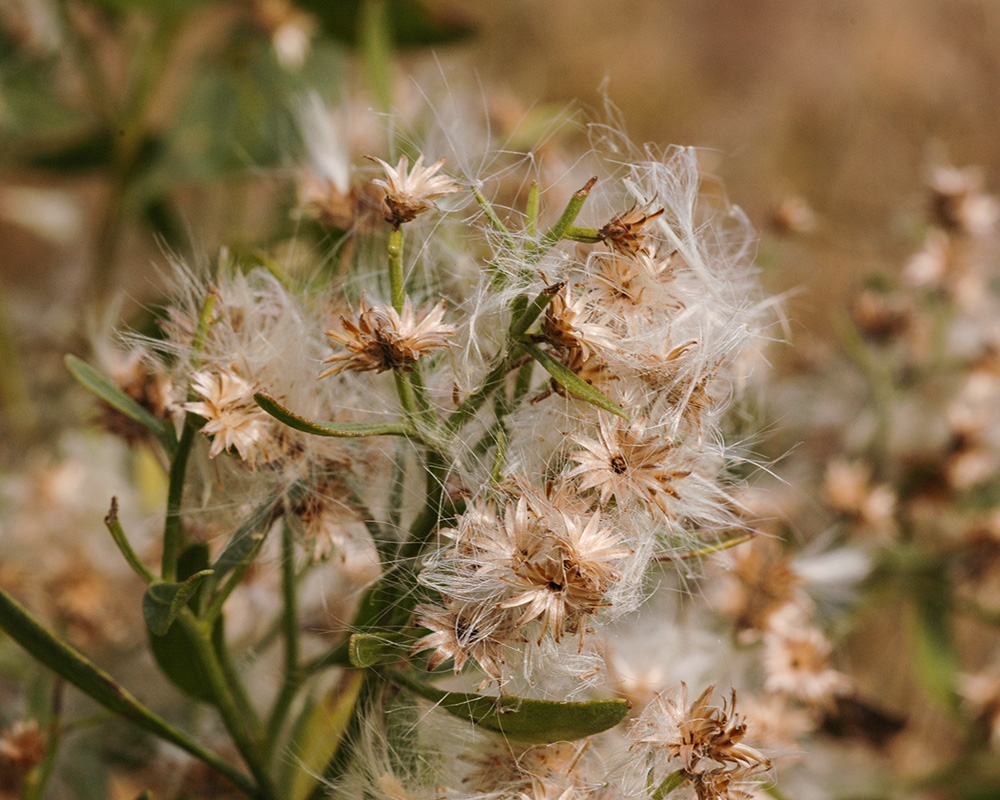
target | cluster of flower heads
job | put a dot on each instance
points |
(576, 451)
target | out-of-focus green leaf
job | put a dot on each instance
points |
(523, 719)
(338, 429)
(161, 217)
(101, 386)
(317, 735)
(414, 23)
(91, 152)
(935, 657)
(163, 601)
(572, 382)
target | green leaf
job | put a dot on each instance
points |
(339, 429)
(70, 664)
(91, 152)
(413, 23)
(248, 538)
(178, 659)
(572, 382)
(163, 601)
(317, 736)
(522, 719)
(174, 652)
(101, 386)
(370, 650)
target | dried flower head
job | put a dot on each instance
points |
(560, 570)
(232, 418)
(457, 636)
(624, 233)
(408, 194)
(568, 325)
(797, 663)
(698, 738)
(22, 748)
(379, 338)
(627, 463)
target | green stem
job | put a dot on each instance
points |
(397, 288)
(585, 235)
(375, 36)
(38, 778)
(290, 632)
(70, 664)
(115, 529)
(235, 683)
(173, 530)
(255, 528)
(398, 486)
(227, 703)
(504, 362)
(555, 234)
(532, 210)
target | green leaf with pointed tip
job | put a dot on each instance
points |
(371, 650)
(339, 429)
(572, 382)
(163, 601)
(101, 386)
(522, 719)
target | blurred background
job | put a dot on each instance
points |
(842, 104)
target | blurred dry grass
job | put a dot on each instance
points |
(841, 101)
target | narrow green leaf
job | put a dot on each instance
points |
(523, 719)
(163, 601)
(572, 382)
(101, 386)
(371, 650)
(317, 736)
(70, 664)
(339, 429)
(248, 538)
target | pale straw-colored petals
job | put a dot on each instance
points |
(456, 636)
(568, 324)
(379, 338)
(849, 490)
(552, 584)
(409, 193)
(697, 738)
(627, 463)
(232, 418)
(797, 662)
